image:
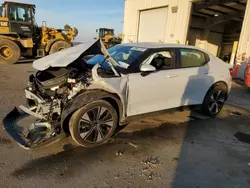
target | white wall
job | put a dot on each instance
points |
(177, 23)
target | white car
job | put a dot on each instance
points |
(89, 98)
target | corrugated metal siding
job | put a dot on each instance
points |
(177, 23)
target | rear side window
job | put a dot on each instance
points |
(192, 58)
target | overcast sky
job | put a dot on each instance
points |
(86, 15)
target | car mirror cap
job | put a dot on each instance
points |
(147, 68)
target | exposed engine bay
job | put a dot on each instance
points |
(50, 91)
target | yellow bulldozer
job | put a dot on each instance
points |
(21, 37)
(108, 37)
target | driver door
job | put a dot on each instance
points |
(156, 90)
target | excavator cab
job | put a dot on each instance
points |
(19, 18)
(104, 31)
(108, 37)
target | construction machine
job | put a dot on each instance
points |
(21, 37)
(108, 37)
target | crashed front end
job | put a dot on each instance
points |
(61, 77)
(47, 94)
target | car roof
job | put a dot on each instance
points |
(153, 45)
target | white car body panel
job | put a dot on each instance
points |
(117, 85)
(65, 57)
(220, 71)
(151, 93)
(168, 89)
(194, 83)
(165, 89)
(58, 95)
(157, 91)
(62, 58)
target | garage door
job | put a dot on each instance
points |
(152, 25)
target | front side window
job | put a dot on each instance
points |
(21, 14)
(162, 60)
(192, 58)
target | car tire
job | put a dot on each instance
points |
(93, 124)
(59, 46)
(214, 100)
(9, 51)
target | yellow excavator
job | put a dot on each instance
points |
(21, 37)
(108, 37)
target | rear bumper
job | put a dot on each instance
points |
(22, 137)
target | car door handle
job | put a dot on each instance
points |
(172, 76)
(207, 72)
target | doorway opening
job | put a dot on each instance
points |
(216, 27)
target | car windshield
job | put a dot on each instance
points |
(123, 55)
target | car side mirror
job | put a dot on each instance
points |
(146, 69)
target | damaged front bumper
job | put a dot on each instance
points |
(35, 136)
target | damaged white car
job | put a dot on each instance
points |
(88, 92)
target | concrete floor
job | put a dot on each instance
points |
(172, 150)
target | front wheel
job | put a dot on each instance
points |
(59, 46)
(93, 124)
(214, 100)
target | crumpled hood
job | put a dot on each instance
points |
(67, 56)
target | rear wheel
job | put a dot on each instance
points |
(9, 51)
(93, 124)
(214, 100)
(59, 46)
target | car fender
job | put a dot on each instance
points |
(87, 97)
(223, 83)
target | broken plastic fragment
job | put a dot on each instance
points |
(235, 113)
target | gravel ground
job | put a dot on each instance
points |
(173, 150)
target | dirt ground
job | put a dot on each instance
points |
(180, 150)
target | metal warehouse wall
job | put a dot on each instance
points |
(177, 23)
